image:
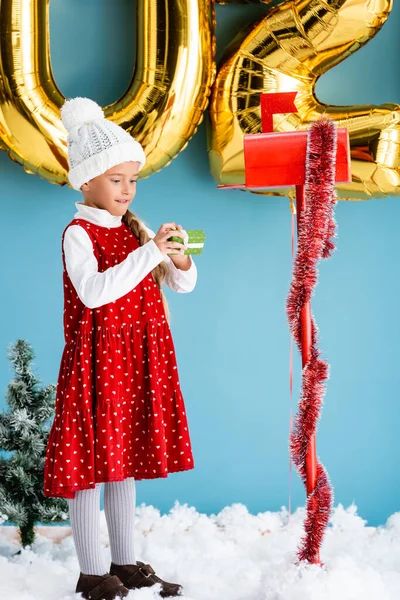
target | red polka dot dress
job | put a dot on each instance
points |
(119, 408)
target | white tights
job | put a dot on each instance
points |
(119, 508)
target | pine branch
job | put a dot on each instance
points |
(23, 433)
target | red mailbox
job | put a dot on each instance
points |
(279, 159)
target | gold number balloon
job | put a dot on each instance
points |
(162, 107)
(288, 50)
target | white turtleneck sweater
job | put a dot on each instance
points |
(96, 289)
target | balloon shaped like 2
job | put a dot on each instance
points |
(287, 51)
(162, 108)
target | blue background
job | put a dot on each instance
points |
(231, 333)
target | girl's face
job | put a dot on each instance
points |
(114, 190)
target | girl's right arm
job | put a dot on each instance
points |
(95, 289)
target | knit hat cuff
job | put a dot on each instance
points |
(97, 164)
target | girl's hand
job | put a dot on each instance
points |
(166, 231)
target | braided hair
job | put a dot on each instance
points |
(160, 270)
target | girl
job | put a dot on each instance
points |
(120, 413)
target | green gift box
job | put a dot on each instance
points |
(194, 240)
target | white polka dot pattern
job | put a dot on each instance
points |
(119, 408)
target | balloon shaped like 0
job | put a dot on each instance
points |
(162, 108)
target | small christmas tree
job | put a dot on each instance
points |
(23, 433)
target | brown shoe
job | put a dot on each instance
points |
(100, 587)
(142, 575)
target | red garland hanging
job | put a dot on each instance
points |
(315, 242)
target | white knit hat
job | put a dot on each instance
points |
(95, 144)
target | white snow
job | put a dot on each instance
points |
(230, 556)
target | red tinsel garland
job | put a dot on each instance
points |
(315, 241)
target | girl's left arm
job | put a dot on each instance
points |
(177, 279)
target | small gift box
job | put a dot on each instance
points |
(194, 240)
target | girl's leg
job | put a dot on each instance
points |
(119, 508)
(84, 512)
